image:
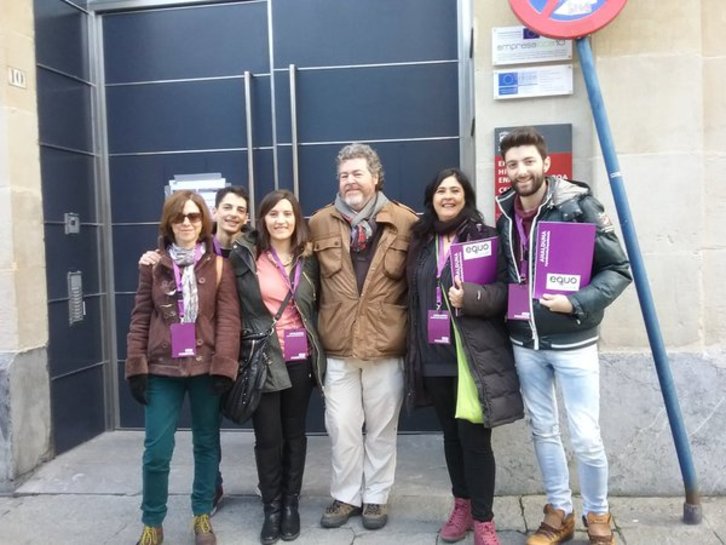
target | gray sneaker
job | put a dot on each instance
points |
(337, 513)
(375, 515)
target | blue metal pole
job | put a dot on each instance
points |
(692, 513)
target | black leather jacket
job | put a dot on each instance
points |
(256, 317)
(572, 201)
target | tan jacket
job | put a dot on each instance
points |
(217, 326)
(371, 325)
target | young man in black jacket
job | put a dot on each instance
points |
(558, 339)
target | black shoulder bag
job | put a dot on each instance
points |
(243, 398)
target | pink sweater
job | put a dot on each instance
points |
(274, 289)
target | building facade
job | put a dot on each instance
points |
(77, 148)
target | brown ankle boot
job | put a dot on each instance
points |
(203, 531)
(599, 529)
(151, 535)
(556, 528)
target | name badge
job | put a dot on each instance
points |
(183, 340)
(296, 344)
(439, 327)
(518, 302)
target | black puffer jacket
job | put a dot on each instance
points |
(256, 317)
(570, 201)
(483, 334)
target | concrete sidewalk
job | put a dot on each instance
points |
(91, 496)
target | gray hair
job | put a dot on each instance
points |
(357, 150)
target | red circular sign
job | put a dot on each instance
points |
(566, 19)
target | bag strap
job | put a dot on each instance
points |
(282, 308)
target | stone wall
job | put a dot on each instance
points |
(24, 389)
(661, 66)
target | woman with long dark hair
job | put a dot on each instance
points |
(479, 346)
(277, 275)
(183, 340)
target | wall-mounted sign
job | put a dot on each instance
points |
(518, 44)
(566, 18)
(559, 148)
(541, 81)
(206, 184)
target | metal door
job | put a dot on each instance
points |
(321, 73)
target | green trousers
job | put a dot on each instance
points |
(166, 396)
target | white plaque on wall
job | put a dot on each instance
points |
(542, 81)
(518, 45)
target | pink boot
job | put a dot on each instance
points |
(459, 523)
(485, 533)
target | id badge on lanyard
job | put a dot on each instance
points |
(518, 302)
(296, 339)
(296, 344)
(518, 294)
(183, 340)
(438, 325)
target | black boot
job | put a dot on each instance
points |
(290, 525)
(270, 532)
(269, 472)
(294, 452)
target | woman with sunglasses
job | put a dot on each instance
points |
(183, 340)
(277, 278)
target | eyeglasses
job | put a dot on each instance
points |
(193, 217)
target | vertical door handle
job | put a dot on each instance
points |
(250, 147)
(293, 130)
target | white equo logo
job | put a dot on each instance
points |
(563, 282)
(480, 249)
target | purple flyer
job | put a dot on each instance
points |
(475, 261)
(563, 259)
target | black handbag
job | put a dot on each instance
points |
(241, 401)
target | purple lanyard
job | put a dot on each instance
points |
(442, 259)
(283, 272)
(523, 245)
(216, 246)
(177, 277)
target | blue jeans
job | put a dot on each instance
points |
(577, 372)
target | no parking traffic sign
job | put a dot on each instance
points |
(566, 18)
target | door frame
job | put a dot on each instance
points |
(96, 10)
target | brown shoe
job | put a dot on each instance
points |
(203, 532)
(555, 528)
(599, 529)
(337, 513)
(151, 535)
(375, 516)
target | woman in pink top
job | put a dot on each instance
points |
(277, 279)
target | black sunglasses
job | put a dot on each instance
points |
(194, 217)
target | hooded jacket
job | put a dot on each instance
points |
(566, 201)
